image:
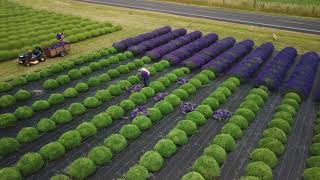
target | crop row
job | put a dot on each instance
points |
(208, 165)
(272, 145)
(312, 170)
(54, 69)
(62, 116)
(73, 138)
(119, 141)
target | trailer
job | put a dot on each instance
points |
(59, 49)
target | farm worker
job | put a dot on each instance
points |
(60, 36)
(144, 74)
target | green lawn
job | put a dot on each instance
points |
(138, 21)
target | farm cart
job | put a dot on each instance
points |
(61, 49)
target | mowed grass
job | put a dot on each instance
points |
(138, 21)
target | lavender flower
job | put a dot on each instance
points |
(182, 81)
(142, 110)
(222, 115)
(186, 107)
(135, 88)
(160, 96)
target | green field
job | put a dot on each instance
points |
(307, 8)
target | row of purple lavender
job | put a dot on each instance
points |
(207, 54)
(160, 51)
(144, 46)
(274, 72)
(302, 77)
(250, 64)
(126, 43)
(190, 49)
(226, 59)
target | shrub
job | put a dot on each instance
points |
(224, 91)
(91, 102)
(281, 124)
(219, 96)
(70, 93)
(164, 107)
(101, 120)
(7, 100)
(178, 72)
(187, 126)
(182, 94)
(192, 176)
(207, 166)
(158, 67)
(124, 84)
(230, 85)
(315, 149)
(40, 105)
(46, 125)
(138, 62)
(165, 81)
(8, 145)
(286, 108)
(23, 112)
(259, 169)
(154, 114)
(19, 81)
(203, 78)
(148, 92)
(316, 138)
(103, 95)
(178, 136)
(311, 173)
(74, 74)
(256, 98)
(114, 90)
(7, 120)
(134, 79)
(123, 69)
(115, 112)
(172, 77)
(45, 73)
(104, 77)
(10, 173)
(56, 98)
(212, 102)
(291, 102)
(63, 79)
(196, 117)
(55, 68)
(249, 104)
(94, 66)
(152, 160)
(265, 155)
(61, 116)
(128, 54)
(205, 110)
(225, 141)
(5, 86)
(131, 66)
(115, 142)
(30, 163)
(130, 131)
(93, 81)
(294, 96)
(284, 115)
(52, 151)
(121, 56)
(100, 155)
(85, 70)
(27, 135)
(239, 121)
(113, 59)
(233, 130)
(60, 177)
(249, 178)
(137, 172)
(22, 95)
(262, 93)
(157, 86)
(165, 147)
(77, 109)
(113, 73)
(138, 98)
(142, 122)
(210, 74)
(275, 133)
(217, 152)
(173, 100)
(189, 88)
(34, 76)
(86, 129)
(81, 168)
(248, 114)
(273, 144)
(70, 139)
(127, 105)
(313, 161)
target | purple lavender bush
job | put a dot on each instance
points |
(274, 72)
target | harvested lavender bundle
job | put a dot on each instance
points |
(160, 96)
(181, 81)
(142, 110)
(135, 88)
(222, 115)
(186, 107)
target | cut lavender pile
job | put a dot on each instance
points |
(142, 110)
(222, 115)
(186, 107)
(160, 96)
(135, 88)
(181, 81)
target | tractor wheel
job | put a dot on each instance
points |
(62, 53)
(42, 59)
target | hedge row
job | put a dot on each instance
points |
(312, 169)
(265, 156)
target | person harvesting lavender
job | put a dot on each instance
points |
(144, 75)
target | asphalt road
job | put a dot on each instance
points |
(311, 26)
